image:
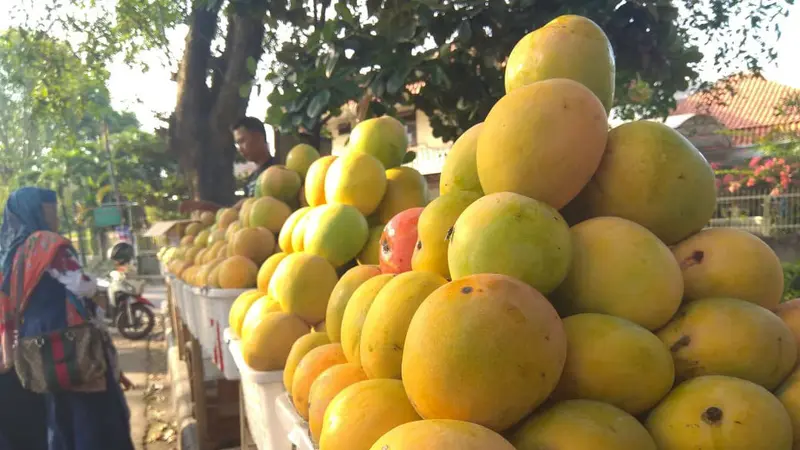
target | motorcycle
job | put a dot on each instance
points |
(130, 312)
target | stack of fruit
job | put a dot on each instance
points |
(632, 329)
(226, 250)
(319, 242)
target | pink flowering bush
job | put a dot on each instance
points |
(775, 174)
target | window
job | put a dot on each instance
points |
(410, 122)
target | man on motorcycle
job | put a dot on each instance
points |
(121, 254)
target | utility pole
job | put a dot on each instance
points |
(114, 186)
(111, 169)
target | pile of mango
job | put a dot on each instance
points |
(561, 293)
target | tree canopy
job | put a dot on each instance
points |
(53, 109)
(372, 50)
(323, 54)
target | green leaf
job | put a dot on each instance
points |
(344, 12)
(244, 90)
(252, 65)
(409, 157)
(398, 80)
(330, 64)
(374, 6)
(318, 104)
(465, 31)
(297, 104)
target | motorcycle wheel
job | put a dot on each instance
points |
(137, 327)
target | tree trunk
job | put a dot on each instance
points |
(200, 127)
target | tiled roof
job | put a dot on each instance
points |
(752, 111)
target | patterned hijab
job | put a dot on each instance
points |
(23, 216)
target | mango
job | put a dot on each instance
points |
(620, 268)
(269, 213)
(299, 350)
(267, 346)
(789, 395)
(544, 141)
(581, 424)
(510, 234)
(605, 360)
(652, 175)
(571, 47)
(460, 169)
(302, 284)
(405, 189)
(341, 295)
(314, 188)
(384, 138)
(238, 272)
(335, 232)
(383, 335)
(311, 366)
(239, 309)
(280, 182)
(300, 158)
(486, 349)
(356, 179)
(285, 235)
(722, 336)
(325, 388)
(355, 314)
(299, 230)
(441, 434)
(720, 412)
(430, 253)
(789, 312)
(257, 312)
(255, 244)
(726, 262)
(370, 254)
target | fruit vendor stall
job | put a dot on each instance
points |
(561, 291)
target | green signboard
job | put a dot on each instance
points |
(107, 216)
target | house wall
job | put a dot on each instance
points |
(433, 185)
(425, 132)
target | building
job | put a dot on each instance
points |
(728, 123)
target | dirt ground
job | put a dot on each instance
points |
(145, 363)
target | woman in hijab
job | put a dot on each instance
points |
(74, 420)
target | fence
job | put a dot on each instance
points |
(759, 212)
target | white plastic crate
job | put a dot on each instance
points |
(260, 390)
(190, 306)
(205, 334)
(177, 294)
(214, 306)
(293, 425)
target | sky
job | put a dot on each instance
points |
(149, 94)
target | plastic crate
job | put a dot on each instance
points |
(177, 296)
(260, 390)
(191, 308)
(215, 307)
(293, 425)
(205, 333)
